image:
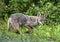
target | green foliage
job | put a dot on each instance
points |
(31, 7)
(40, 34)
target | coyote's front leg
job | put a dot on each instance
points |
(29, 28)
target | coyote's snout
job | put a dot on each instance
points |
(19, 19)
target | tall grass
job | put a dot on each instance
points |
(40, 34)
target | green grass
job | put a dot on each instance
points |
(40, 33)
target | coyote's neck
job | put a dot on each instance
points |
(32, 20)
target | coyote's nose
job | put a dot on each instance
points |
(42, 23)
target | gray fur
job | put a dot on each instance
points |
(18, 19)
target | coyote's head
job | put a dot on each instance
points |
(41, 18)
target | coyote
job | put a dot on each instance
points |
(19, 19)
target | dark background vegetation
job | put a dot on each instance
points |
(32, 7)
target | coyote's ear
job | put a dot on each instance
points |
(45, 15)
(39, 14)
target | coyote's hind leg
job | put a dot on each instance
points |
(15, 28)
(29, 28)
